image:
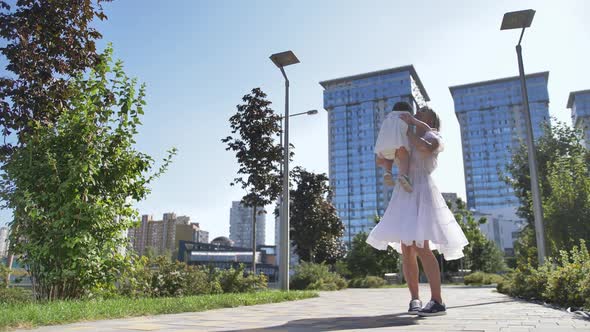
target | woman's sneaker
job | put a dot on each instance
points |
(433, 308)
(415, 306)
(406, 183)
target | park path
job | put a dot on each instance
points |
(469, 309)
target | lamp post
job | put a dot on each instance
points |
(282, 60)
(521, 20)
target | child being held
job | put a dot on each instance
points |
(392, 146)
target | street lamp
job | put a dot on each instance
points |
(282, 60)
(521, 20)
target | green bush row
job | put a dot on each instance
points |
(311, 276)
(482, 278)
(161, 277)
(367, 282)
(564, 281)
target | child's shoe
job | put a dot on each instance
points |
(406, 183)
(388, 179)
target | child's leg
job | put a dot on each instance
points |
(402, 157)
(402, 161)
(386, 164)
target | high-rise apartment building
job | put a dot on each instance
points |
(579, 103)
(240, 226)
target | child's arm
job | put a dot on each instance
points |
(409, 119)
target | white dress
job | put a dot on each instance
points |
(392, 136)
(420, 215)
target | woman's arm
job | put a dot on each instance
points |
(424, 145)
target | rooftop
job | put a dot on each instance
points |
(499, 80)
(570, 100)
(409, 68)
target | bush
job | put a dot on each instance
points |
(313, 276)
(234, 281)
(15, 295)
(367, 282)
(482, 278)
(565, 281)
(161, 277)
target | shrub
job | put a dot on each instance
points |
(367, 282)
(313, 276)
(482, 278)
(567, 284)
(565, 281)
(15, 295)
(235, 281)
(161, 277)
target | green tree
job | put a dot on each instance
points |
(481, 254)
(256, 126)
(559, 144)
(364, 260)
(45, 43)
(316, 229)
(72, 184)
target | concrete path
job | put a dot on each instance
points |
(469, 309)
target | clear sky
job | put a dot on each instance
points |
(199, 58)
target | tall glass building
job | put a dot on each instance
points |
(492, 124)
(356, 108)
(579, 103)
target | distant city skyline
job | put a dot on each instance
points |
(202, 56)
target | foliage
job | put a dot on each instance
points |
(341, 268)
(364, 260)
(316, 229)
(481, 254)
(313, 276)
(560, 157)
(162, 277)
(564, 281)
(259, 156)
(367, 282)
(45, 44)
(4, 271)
(482, 278)
(72, 185)
(15, 295)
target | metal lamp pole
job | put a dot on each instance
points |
(522, 20)
(281, 60)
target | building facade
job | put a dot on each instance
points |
(492, 122)
(492, 125)
(163, 236)
(579, 104)
(356, 107)
(240, 226)
(3, 241)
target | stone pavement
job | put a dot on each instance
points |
(469, 309)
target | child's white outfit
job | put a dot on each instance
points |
(392, 136)
(420, 215)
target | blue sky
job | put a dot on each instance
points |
(198, 58)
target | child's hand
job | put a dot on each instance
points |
(407, 118)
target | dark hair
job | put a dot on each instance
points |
(435, 118)
(402, 106)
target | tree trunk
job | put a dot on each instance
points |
(9, 266)
(254, 240)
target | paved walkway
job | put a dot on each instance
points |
(469, 309)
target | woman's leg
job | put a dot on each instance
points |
(410, 267)
(432, 271)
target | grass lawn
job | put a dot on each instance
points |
(61, 312)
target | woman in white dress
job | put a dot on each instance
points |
(417, 222)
